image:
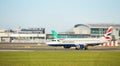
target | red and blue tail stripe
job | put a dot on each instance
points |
(108, 34)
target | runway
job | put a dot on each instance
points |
(43, 47)
(60, 49)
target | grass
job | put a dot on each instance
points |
(60, 58)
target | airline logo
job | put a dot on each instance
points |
(109, 29)
(108, 34)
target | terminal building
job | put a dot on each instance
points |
(23, 35)
(90, 31)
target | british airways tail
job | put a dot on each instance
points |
(108, 34)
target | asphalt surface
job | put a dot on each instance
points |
(59, 49)
(43, 47)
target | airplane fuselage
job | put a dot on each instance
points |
(67, 43)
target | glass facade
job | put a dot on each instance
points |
(119, 32)
(94, 31)
(32, 31)
(98, 30)
(49, 36)
(104, 30)
(74, 36)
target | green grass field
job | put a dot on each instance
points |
(60, 58)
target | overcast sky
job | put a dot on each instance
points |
(59, 15)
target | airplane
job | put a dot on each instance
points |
(80, 43)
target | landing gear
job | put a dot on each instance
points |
(78, 47)
(86, 48)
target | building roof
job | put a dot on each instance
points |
(81, 25)
(104, 25)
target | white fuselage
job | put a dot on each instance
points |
(78, 41)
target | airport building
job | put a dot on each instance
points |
(90, 31)
(23, 35)
(38, 35)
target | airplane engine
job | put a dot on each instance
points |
(81, 46)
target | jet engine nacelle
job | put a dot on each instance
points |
(81, 46)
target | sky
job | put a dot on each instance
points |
(59, 15)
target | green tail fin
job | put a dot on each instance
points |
(54, 34)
